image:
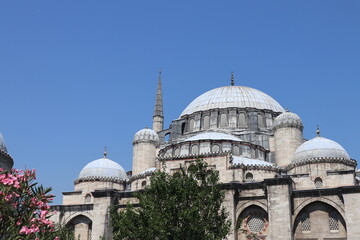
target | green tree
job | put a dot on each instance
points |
(185, 205)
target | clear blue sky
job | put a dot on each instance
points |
(78, 75)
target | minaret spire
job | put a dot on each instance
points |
(158, 118)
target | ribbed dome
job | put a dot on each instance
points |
(320, 147)
(288, 119)
(103, 168)
(233, 96)
(2, 144)
(146, 135)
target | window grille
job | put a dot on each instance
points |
(206, 123)
(333, 221)
(215, 148)
(318, 182)
(305, 222)
(255, 224)
(242, 120)
(223, 120)
(236, 150)
(195, 149)
(249, 177)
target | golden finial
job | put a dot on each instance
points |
(105, 152)
(318, 131)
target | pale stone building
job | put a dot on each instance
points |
(278, 185)
(6, 161)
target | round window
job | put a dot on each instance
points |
(255, 223)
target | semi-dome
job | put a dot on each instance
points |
(103, 168)
(320, 147)
(233, 96)
(2, 144)
(288, 119)
(146, 134)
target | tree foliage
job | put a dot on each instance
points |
(185, 205)
(24, 208)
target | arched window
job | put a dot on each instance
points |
(249, 177)
(167, 137)
(191, 125)
(183, 125)
(206, 123)
(242, 120)
(318, 182)
(253, 220)
(236, 151)
(333, 221)
(177, 152)
(260, 121)
(215, 148)
(195, 149)
(223, 120)
(87, 198)
(143, 184)
(319, 219)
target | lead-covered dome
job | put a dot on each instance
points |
(288, 119)
(233, 96)
(2, 144)
(320, 148)
(146, 135)
(102, 169)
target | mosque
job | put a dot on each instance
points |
(277, 184)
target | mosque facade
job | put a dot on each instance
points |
(278, 185)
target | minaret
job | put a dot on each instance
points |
(158, 118)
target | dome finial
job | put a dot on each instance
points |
(318, 131)
(232, 79)
(105, 152)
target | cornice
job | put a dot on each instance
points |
(348, 162)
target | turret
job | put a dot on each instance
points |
(144, 150)
(158, 118)
(288, 136)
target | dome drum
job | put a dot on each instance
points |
(234, 120)
(210, 143)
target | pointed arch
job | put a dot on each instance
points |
(319, 220)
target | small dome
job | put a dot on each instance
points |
(320, 147)
(2, 144)
(146, 135)
(288, 119)
(103, 168)
(232, 97)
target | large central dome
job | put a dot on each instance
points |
(232, 96)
